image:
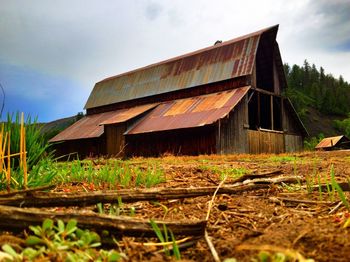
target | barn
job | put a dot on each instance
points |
(223, 99)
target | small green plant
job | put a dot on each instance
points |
(336, 187)
(225, 171)
(282, 158)
(110, 174)
(61, 242)
(164, 239)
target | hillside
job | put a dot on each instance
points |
(321, 100)
(318, 123)
(52, 128)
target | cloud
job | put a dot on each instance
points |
(153, 10)
(83, 41)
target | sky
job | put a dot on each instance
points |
(53, 52)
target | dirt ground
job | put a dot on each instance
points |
(242, 225)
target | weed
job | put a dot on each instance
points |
(336, 187)
(112, 174)
(225, 171)
(63, 242)
(282, 158)
(164, 239)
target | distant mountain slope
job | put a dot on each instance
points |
(317, 123)
(318, 97)
(52, 128)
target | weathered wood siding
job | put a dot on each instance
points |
(189, 141)
(115, 139)
(265, 142)
(289, 123)
(293, 143)
(231, 133)
(71, 149)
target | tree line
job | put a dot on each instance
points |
(309, 86)
(312, 86)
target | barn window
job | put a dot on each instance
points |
(264, 111)
(264, 65)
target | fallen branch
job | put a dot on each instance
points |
(41, 199)
(343, 185)
(298, 201)
(91, 198)
(20, 218)
(259, 175)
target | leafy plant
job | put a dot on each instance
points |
(61, 242)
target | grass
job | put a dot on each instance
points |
(163, 237)
(24, 154)
(339, 190)
(224, 171)
(282, 158)
(110, 174)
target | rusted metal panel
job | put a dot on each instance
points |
(91, 126)
(124, 115)
(329, 142)
(87, 127)
(224, 61)
(190, 112)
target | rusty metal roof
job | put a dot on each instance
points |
(126, 114)
(223, 61)
(190, 112)
(91, 126)
(329, 142)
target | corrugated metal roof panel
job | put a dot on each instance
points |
(329, 142)
(87, 127)
(216, 63)
(91, 126)
(124, 115)
(190, 112)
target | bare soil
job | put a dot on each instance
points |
(240, 226)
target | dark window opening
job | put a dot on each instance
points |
(253, 112)
(264, 65)
(264, 111)
(277, 113)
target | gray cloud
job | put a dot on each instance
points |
(87, 40)
(153, 10)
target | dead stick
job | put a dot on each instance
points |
(261, 175)
(41, 199)
(301, 201)
(20, 218)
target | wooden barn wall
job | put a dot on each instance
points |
(265, 142)
(231, 135)
(191, 141)
(289, 123)
(115, 139)
(82, 147)
(293, 143)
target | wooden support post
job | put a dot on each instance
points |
(259, 124)
(272, 120)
